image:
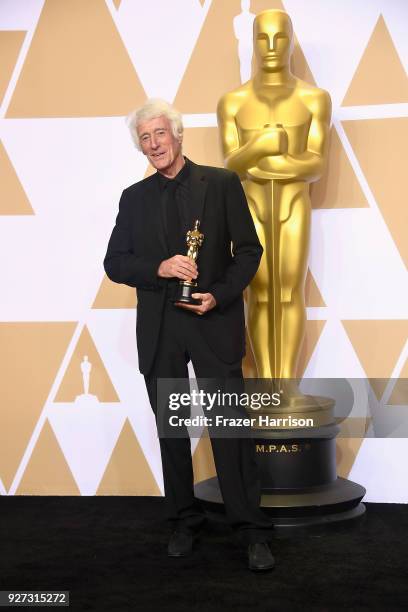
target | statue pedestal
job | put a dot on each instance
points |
(300, 486)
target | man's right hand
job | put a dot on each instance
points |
(179, 266)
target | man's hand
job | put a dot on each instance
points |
(179, 266)
(207, 303)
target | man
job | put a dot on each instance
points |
(145, 251)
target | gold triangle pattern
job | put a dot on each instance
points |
(75, 46)
(338, 187)
(47, 472)
(380, 146)
(202, 146)
(313, 332)
(114, 295)
(128, 472)
(313, 297)
(380, 77)
(216, 48)
(30, 356)
(13, 199)
(10, 45)
(378, 345)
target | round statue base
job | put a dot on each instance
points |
(313, 509)
(300, 486)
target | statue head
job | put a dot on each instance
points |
(273, 40)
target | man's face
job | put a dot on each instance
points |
(158, 143)
(273, 41)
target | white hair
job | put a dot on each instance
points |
(155, 107)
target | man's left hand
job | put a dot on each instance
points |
(207, 303)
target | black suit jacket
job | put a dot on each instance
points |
(138, 245)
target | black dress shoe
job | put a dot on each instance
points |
(180, 544)
(260, 557)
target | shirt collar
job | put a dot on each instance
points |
(181, 177)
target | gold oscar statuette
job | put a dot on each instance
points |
(274, 132)
(194, 239)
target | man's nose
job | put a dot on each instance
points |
(153, 142)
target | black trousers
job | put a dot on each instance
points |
(181, 341)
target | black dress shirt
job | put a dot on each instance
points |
(176, 193)
(175, 213)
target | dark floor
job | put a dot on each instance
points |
(110, 553)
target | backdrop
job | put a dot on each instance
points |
(70, 71)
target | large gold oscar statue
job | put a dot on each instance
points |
(274, 132)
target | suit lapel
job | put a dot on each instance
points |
(198, 188)
(153, 214)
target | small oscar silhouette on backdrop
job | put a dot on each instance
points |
(194, 239)
(86, 397)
